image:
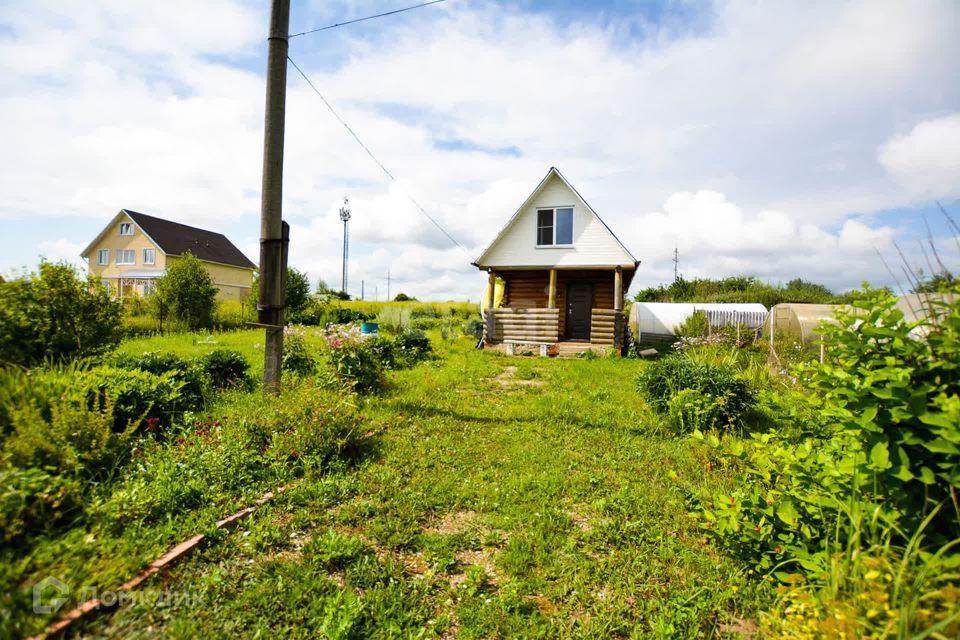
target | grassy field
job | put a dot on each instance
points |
(499, 497)
(496, 497)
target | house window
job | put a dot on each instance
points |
(126, 256)
(555, 227)
(103, 256)
(126, 228)
(149, 256)
(149, 287)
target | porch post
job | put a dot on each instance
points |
(618, 290)
(552, 292)
(492, 283)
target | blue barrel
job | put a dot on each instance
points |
(369, 328)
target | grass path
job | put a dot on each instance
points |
(501, 498)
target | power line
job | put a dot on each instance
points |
(373, 157)
(379, 15)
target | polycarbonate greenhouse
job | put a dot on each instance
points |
(798, 320)
(658, 321)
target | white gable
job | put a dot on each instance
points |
(594, 245)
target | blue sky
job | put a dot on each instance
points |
(775, 139)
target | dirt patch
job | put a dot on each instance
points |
(743, 628)
(582, 522)
(485, 559)
(453, 523)
(508, 378)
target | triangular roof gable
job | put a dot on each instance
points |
(553, 172)
(113, 221)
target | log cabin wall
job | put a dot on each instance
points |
(529, 289)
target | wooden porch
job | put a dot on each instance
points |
(538, 317)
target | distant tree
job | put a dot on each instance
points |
(298, 290)
(738, 289)
(323, 287)
(943, 282)
(402, 297)
(56, 314)
(340, 295)
(187, 290)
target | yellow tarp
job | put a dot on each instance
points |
(499, 288)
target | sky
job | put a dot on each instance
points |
(775, 139)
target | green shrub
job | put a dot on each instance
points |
(884, 464)
(696, 326)
(187, 293)
(33, 501)
(313, 430)
(383, 349)
(394, 319)
(412, 347)
(297, 356)
(76, 440)
(55, 315)
(189, 374)
(730, 396)
(355, 364)
(473, 328)
(894, 387)
(689, 410)
(226, 369)
(132, 394)
(145, 399)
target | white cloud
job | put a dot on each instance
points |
(926, 161)
(716, 237)
(781, 107)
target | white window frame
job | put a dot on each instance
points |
(128, 226)
(553, 210)
(103, 257)
(121, 254)
(153, 256)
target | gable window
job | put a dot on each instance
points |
(126, 256)
(103, 256)
(555, 227)
(126, 228)
(149, 256)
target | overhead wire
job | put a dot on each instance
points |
(379, 15)
(374, 157)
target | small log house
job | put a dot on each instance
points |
(565, 275)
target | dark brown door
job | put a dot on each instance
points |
(579, 305)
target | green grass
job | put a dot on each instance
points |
(536, 503)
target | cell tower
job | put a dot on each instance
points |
(345, 217)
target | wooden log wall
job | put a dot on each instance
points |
(522, 325)
(606, 327)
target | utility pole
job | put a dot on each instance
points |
(361, 290)
(345, 217)
(676, 262)
(274, 232)
(388, 284)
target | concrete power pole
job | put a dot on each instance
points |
(274, 232)
(388, 285)
(676, 262)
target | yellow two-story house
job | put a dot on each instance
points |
(135, 249)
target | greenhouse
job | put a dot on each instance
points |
(659, 321)
(799, 321)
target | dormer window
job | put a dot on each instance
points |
(126, 228)
(555, 227)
